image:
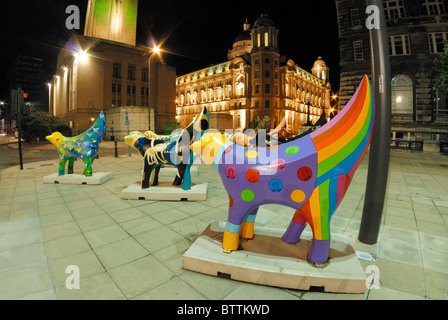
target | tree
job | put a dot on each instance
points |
(441, 71)
(41, 124)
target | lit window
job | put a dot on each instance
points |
(266, 39)
(259, 40)
(433, 7)
(354, 15)
(436, 40)
(402, 95)
(399, 45)
(394, 9)
(358, 50)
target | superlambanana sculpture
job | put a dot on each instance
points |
(310, 174)
(84, 146)
(172, 150)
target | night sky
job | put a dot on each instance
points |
(195, 34)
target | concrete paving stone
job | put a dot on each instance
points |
(158, 239)
(139, 276)
(435, 260)
(17, 257)
(433, 228)
(102, 236)
(155, 207)
(95, 222)
(61, 208)
(96, 287)
(401, 222)
(210, 287)
(190, 227)
(401, 277)
(248, 291)
(87, 263)
(436, 285)
(401, 251)
(433, 242)
(86, 212)
(400, 235)
(61, 230)
(172, 256)
(22, 238)
(55, 218)
(24, 281)
(140, 225)
(173, 289)
(45, 295)
(120, 252)
(391, 294)
(126, 214)
(66, 246)
(169, 216)
(19, 225)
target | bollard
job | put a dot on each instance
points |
(116, 150)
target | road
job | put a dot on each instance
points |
(9, 154)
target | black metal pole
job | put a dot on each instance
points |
(379, 146)
(19, 123)
(116, 149)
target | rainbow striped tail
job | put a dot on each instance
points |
(341, 145)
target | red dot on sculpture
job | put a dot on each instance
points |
(252, 175)
(231, 172)
(304, 173)
(230, 201)
(279, 164)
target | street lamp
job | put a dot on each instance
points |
(155, 50)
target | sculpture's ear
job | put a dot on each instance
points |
(202, 122)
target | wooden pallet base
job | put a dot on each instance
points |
(77, 178)
(165, 191)
(267, 260)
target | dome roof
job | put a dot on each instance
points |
(263, 21)
(243, 36)
(320, 63)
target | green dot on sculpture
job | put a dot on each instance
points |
(247, 195)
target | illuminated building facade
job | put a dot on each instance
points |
(105, 70)
(256, 84)
(416, 31)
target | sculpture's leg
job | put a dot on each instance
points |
(180, 174)
(186, 184)
(146, 175)
(248, 225)
(322, 204)
(295, 229)
(88, 169)
(61, 170)
(231, 239)
(156, 175)
(71, 162)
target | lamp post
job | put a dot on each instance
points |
(156, 50)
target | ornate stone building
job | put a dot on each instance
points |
(416, 30)
(255, 84)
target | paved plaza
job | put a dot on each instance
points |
(133, 249)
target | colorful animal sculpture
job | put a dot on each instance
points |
(84, 146)
(310, 174)
(170, 150)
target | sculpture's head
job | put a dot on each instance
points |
(208, 146)
(132, 138)
(55, 138)
(198, 126)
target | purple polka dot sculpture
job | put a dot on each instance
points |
(310, 174)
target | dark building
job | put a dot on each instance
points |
(416, 31)
(28, 73)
